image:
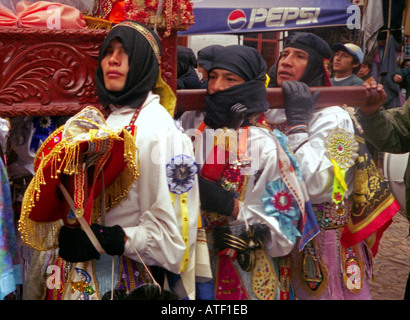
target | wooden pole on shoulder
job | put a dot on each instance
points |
(194, 99)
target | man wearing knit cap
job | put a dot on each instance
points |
(346, 63)
(321, 269)
(204, 62)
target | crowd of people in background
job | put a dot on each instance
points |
(347, 66)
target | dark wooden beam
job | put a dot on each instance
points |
(194, 99)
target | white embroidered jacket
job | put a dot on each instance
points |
(317, 169)
(148, 216)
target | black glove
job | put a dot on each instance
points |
(299, 102)
(219, 236)
(75, 246)
(255, 237)
(215, 198)
(237, 115)
(112, 239)
(258, 233)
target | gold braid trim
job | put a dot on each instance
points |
(146, 33)
(119, 189)
(297, 275)
(43, 236)
(40, 235)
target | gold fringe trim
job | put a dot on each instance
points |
(97, 23)
(119, 189)
(43, 235)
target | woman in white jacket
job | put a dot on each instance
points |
(156, 223)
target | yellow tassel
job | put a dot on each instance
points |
(339, 183)
(167, 96)
(43, 235)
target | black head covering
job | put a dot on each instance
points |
(205, 56)
(143, 62)
(185, 60)
(317, 48)
(247, 63)
(187, 78)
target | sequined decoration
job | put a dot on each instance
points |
(232, 178)
(228, 284)
(342, 147)
(311, 268)
(264, 278)
(104, 8)
(353, 270)
(330, 216)
(213, 219)
(83, 286)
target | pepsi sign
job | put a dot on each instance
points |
(236, 20)
(243, 16)
(273, 17)
(278, 17)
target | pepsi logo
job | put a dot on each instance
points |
(236, 20)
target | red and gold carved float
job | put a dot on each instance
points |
(51, 71)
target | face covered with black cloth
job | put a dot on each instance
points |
(221, 106)
(247, 63)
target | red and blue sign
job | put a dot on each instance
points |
(243, 16)
(236, 20)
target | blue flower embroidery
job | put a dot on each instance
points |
(279, 203)
(181, 173)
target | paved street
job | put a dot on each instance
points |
(392, 263)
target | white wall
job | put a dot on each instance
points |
(198, 42)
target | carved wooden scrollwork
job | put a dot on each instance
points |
(51, 72)
(47, 72)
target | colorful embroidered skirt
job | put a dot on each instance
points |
(325, 270)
